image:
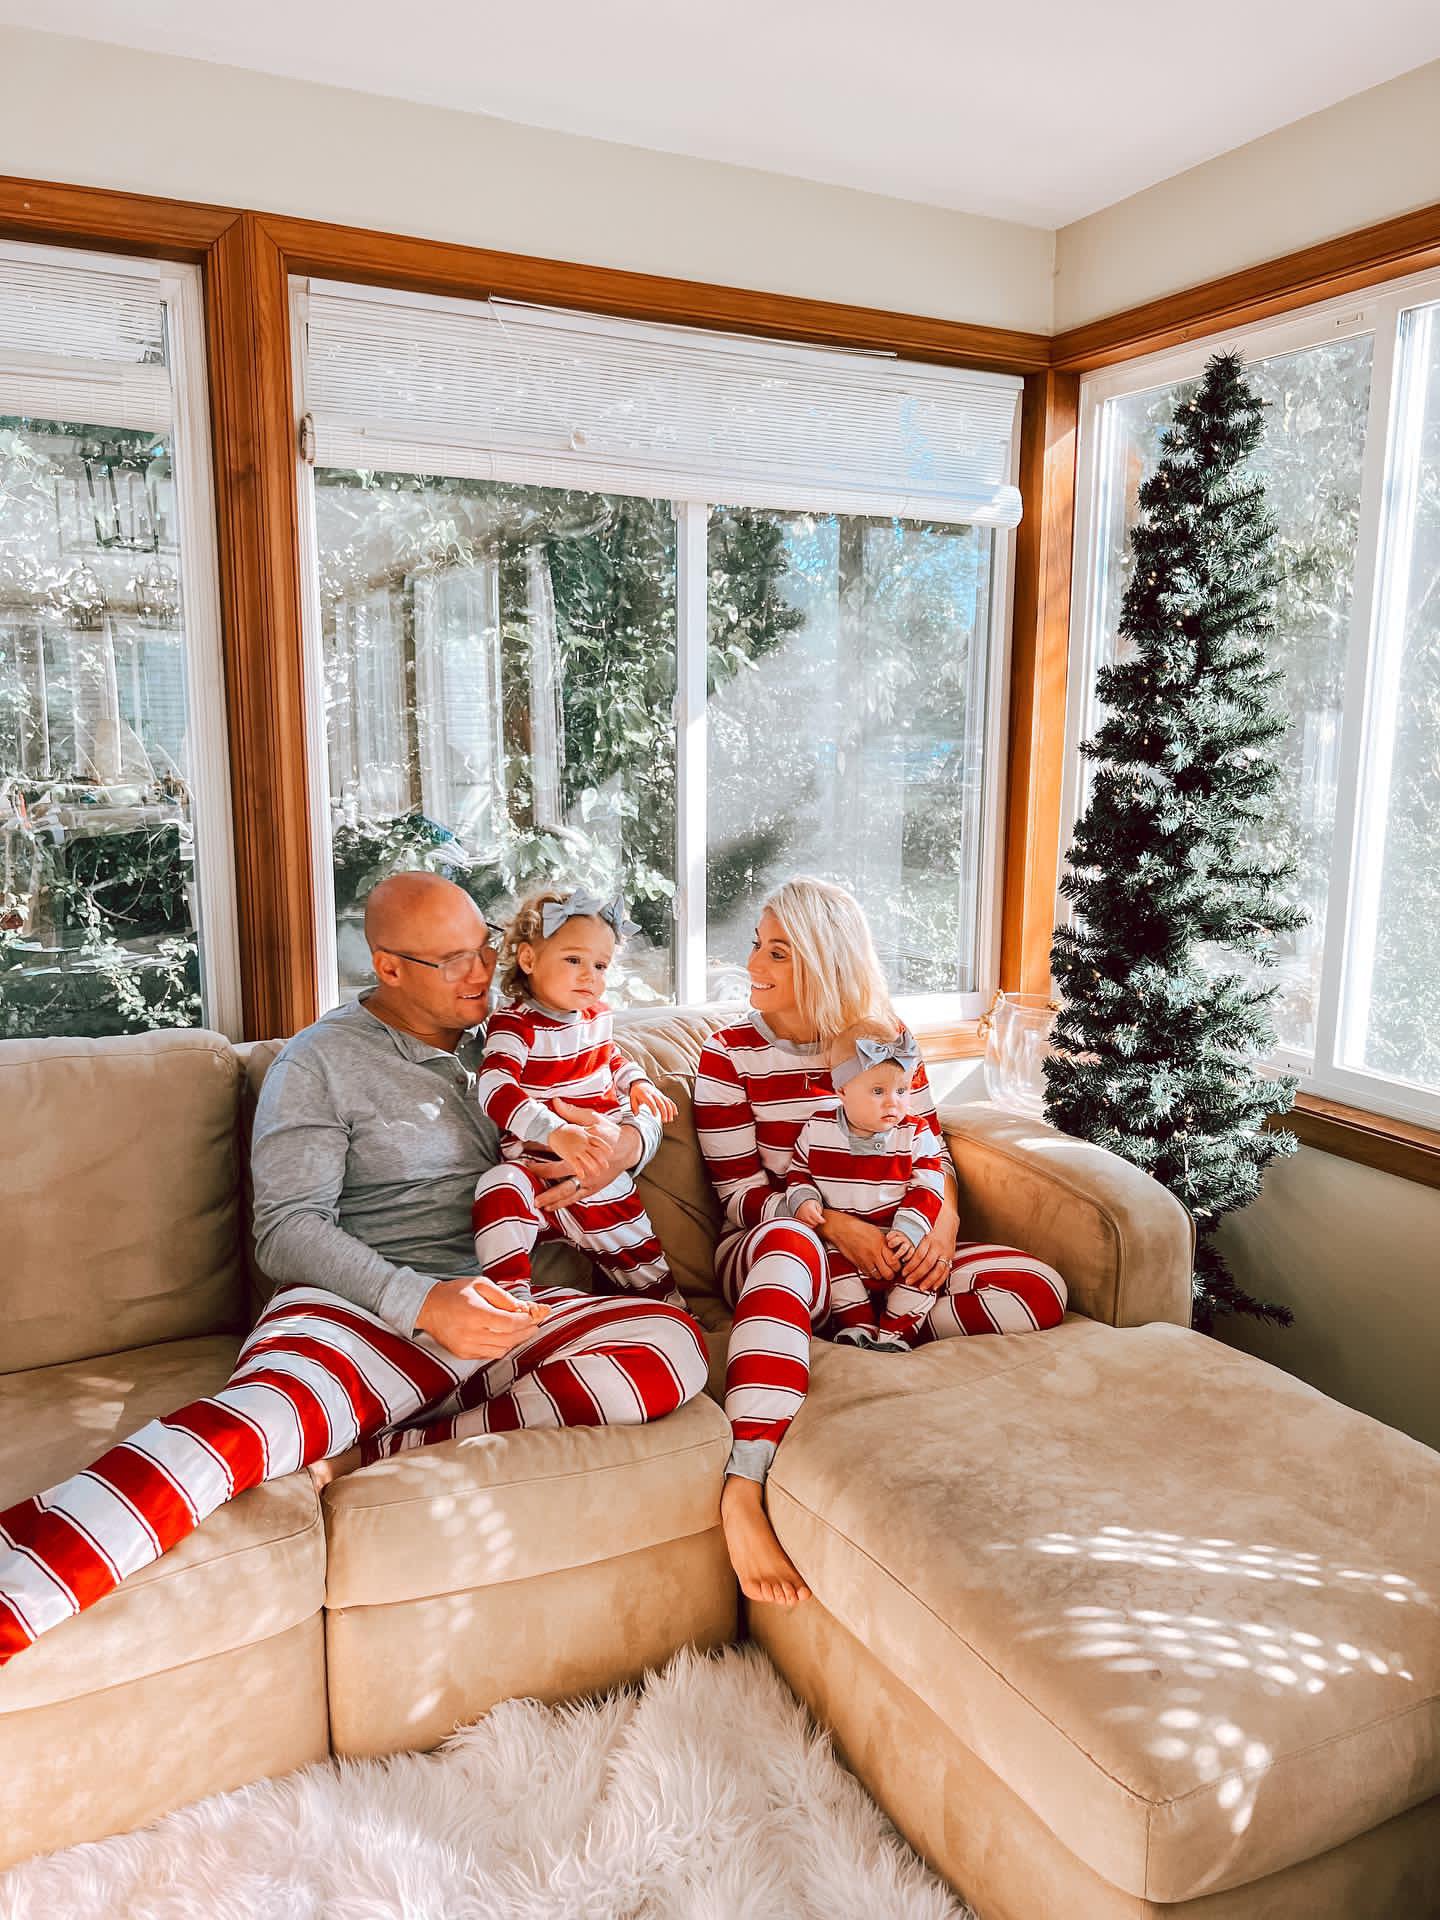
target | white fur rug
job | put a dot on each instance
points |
(704, 1794)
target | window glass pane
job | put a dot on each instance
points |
(499, 683)
(846, 731)
(1311, 459)
(1397, 945)
(98, 924)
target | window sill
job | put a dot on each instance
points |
(1372, 1139)
(942, 1039)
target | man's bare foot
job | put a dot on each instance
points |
(762, 1566)
(322, 1472)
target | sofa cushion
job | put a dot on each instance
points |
(122, 1224)
(501, 1507)
(254, 1569)
(1145, 1578)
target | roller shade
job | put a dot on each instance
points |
(493, 390)
(81, 342)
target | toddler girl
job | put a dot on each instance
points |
(863, 1153)
(551, 1040)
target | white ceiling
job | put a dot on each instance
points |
(1031, 110)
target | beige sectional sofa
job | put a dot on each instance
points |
(1113, 1621)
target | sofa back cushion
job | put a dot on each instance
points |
(121, 1220)
(675, 1186)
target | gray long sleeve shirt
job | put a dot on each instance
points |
(366, 1150)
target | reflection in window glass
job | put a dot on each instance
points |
(1310, 460)
(98, 928)
(499, 669)
(1396, 991)
(846, 731)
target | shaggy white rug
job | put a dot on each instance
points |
(704, 1794)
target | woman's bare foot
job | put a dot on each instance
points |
(322, 1472)
(762, 1566)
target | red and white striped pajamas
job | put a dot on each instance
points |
(315, 1377)
(753, 1096)
(892, 1182)
(534, 1056)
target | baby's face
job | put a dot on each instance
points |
(875, 1100)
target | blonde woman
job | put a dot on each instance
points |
(814, 976)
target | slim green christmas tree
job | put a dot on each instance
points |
(1157, 1040)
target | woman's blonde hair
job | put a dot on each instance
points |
(838, 982)
(526, 929)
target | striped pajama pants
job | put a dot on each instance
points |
(315, 1377)
(776, 1280)
(611, 1226)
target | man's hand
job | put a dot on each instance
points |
(862, 1245)
(459, 1317)
(623, 1148)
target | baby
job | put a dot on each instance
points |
(864, 1154)
(551, 1041)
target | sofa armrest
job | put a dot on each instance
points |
(1124, 1245)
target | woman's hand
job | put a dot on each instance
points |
(862, 1245)
(928, 1266)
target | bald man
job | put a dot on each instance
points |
(368, 1142)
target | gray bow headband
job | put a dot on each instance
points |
(901, 1052)
(579, 905)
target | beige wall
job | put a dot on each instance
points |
(1369, 157)
(95, 115)
(1356, 1253)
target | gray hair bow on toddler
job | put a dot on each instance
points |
(579, 905)
(902, 1052)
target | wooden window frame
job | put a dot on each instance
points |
(247, 259)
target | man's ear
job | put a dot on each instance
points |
(384, 966)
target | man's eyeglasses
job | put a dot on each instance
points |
(455, 966)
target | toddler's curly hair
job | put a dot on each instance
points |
(526, 929)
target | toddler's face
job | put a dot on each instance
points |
(875, 1100)
(567, 971)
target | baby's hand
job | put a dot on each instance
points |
(901, 1244)
(578, 1147)
(644, 1097)
(810, 1213)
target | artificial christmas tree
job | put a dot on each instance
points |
(1158, 1038)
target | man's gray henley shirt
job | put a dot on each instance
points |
(367, 1146)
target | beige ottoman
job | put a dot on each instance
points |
(1119, 1622)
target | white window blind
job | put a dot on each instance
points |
(405, 383)
(83, 344)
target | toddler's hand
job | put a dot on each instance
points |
(810, 1213)
(898, 1243)
(579, 1148)
(644, 1097)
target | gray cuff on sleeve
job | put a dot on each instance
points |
(750, 1459)
(647, 1125)
(405, 1294)
(912, 1224)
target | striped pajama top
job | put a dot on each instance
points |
(753, 1094)
(892, 1180)
(534, 1055)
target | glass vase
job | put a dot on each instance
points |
(1017, 1044)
